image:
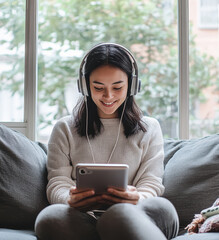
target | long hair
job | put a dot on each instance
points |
(115, 56)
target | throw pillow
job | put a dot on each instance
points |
(23, 180)
(191, 175)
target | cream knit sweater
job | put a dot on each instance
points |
(143, 152)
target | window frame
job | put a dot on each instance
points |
(183, 63)
(29, 126)
(212, 11)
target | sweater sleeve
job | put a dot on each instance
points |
(148, 179)
(59, 164)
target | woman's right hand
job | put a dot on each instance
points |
(83, 200)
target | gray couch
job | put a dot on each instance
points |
(191, 179)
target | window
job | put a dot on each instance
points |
(208, 14)
(12, 38)
(18, 27)
(204, 79)
(167, 52)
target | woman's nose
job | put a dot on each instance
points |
(107, 93)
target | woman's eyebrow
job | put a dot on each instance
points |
(96, 82)
(118, 82)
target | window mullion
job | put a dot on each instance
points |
(30, 92)
(183, 36)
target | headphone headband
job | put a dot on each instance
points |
(136, 83)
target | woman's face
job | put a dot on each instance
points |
(109, 86)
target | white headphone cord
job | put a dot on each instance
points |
(88, 140)
(117, 139)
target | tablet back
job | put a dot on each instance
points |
(101, 176)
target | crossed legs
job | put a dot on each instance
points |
(152, 219)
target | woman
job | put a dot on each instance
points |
(107, 127)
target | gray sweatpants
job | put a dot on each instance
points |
(152, 219)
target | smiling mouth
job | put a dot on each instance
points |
(108, 104)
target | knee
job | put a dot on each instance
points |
(159, 206)
(127, 221)
(61, 222)
(163, 214)
(48, 221)
(116, 216)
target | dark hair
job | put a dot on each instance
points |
(117, 57)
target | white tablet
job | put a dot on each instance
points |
(101, 176)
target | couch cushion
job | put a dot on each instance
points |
(200, 236)
(191, 175)
(22, 180)
(10, 234)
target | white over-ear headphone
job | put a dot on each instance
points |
(135, 85)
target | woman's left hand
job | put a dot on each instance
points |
(131, 195)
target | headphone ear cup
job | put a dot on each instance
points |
(134, 86)
(84, 86)
(79, 86)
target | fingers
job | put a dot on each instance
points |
(87, 200)
(81, 199)
(77, 196)
(84, 202)
(114, 200)
(131, 195)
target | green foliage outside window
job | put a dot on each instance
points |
(140, 26)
